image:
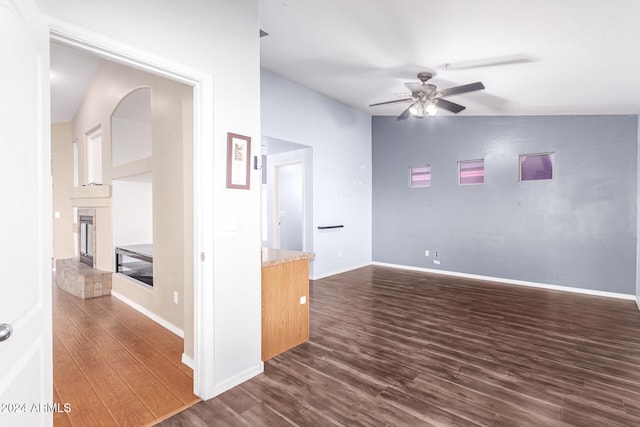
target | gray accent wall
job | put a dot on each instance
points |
(577, 230)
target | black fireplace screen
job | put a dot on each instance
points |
(86, 239)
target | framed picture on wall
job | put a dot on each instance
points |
(238, 164)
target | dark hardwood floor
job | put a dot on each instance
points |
(391, 347)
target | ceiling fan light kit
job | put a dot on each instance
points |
(427, 99)
(421, 109)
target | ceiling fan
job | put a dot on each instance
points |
(426, 98)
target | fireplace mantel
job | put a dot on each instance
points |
(90, 196)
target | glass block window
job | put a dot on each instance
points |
(471, 172)
(534, 167)
(420, 176)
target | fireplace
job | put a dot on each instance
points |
(86, 236)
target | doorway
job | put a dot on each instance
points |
(288, 197)
(201, 84)
(289, 207)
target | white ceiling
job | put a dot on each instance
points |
(72, 71)
(564, 56)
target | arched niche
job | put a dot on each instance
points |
(131, 128)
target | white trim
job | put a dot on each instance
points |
(204, 284)
(238, 379)
(188, 361)
(638, 301)
(511, 281)
(72, 35)
(159, 320)
(202, 83)
(333, 273)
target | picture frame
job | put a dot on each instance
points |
(238, 161)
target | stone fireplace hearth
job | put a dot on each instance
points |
(78, 276)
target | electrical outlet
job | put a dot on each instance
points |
(303, 299)
(436, 261)
(175, 297)
(426, 253)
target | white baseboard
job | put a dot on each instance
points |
(238, 379)
(638, 301)
(188, 361)
(514, 282)
(159, 320)
(333, 273)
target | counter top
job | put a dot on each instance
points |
(272, 256)
(142, 249)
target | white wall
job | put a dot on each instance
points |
(132, 210)
(124, 131)
(131, 128)
(220, 38)
(341, 141)
(62, 179)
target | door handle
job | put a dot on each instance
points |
(5, 332)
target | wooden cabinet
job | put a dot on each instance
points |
(285, 302)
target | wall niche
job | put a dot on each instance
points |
(131, 129)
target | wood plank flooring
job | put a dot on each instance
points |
(114, 366)
(391, 347)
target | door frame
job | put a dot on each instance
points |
(202, 84)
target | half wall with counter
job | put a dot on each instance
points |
(285, 300)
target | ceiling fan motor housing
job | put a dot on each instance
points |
(424, 77)
(430, 90)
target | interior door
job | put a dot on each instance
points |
(290, 206)
(26, 373)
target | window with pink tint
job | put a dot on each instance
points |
(535, 167)
(420, 176)
(471, 172)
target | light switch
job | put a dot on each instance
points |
(227, 226)
(303, 300)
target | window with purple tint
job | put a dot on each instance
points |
(471, 172)
(534, 167)
(420, 176)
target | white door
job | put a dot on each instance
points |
(26, 373)
(290, 207)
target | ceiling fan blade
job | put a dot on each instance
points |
(488, 62)
(415, 87)
(406, 113)
(391, 102)
(450, 106)
(462, 89)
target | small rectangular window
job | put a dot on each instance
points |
(534, 167)
(420, 176)
(471, 172)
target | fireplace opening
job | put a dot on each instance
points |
(86, 239)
